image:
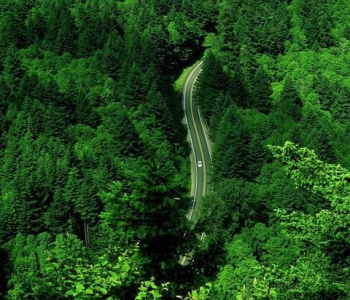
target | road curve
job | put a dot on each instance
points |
(198, 139)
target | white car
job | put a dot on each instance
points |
(200, 164)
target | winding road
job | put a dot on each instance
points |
(199, 144)
(199, 141)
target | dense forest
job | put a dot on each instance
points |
(94, 154)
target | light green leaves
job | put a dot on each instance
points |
(150, 291)
(306, 170)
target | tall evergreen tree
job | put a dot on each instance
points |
(238, 90)
(211, 82)
(317, 23)
(290, 103)
(125, 139)
(111, 59)
(133, 90)
(158, 107)
(231, 147)
(261, 91)
(222, 102)
(340, 108)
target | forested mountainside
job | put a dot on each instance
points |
(89, 170)
(275, 92)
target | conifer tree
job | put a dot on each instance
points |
(111, 62)
(116, 122)
(157, 105)
(317, 23)
(328, 93)
(261, 91)
(211, 82)
(231, 147)
(340, 107)
(290, 103)
(222, 102)
(13, 70)
(133, 91)
(238, 90)
(35, 26)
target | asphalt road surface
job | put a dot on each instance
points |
(198, 139)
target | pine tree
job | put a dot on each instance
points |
(227, 19)
(133, 89)
(340, 108)
(211, 82)
(261, 91)
(13, 70)
(58, 218)
(327, 93)
(125, 139)
(317, 23)
(258, 156)
(13, 16)
(231, 147)
(28, 84)
(236, 154)
(112, 51)
(158, 107)
(70, 195)
(55, 121)
(27, 209)
(290, 103)
(87, 205)
(35, 26)
(221, 104)
(52, 27)
(238, 90)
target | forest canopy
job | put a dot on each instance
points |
(89, 120)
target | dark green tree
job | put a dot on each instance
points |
(238, 90)
(133, 90)
(111, 62)
(35, 26)
(222, 102)
(261, 91)
(317, 22)
(125, 139)
(290, 103)
(231, 147)
(340, 107)
(158, 107)
(211, 82)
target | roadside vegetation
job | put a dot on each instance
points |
(93, 151)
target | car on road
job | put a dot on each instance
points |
(200, 164)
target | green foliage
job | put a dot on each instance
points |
(316, 22)
(201, 294)
(292, 69)
(81, 278)
(178, 84)
(290, 103)
(211, 81)
(261, 91)
(260, 290)
(323, 233)
(123, 136)
(84, 103)
(218, 219)
(304, 167)
(231, 146)
(88, 167)
(149, 290)
(26, 254)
